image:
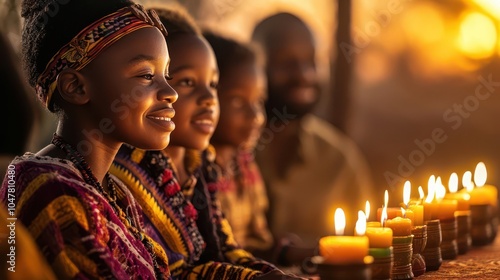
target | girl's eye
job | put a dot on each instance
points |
(186, 82)
(148, 76)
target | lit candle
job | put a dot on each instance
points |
(343, 249)
(446, 207)
(418, 213)
(379, 237)
(483, 194)
(400, 226)
(430, 205)
(462, 198)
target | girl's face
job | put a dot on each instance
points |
(242, 95)
(130, 99)
(194, 76)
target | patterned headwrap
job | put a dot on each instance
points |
(91, 41)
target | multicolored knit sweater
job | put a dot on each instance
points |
(73, 225)
(188, 222)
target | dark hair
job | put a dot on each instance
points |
(177, 21)
(269, 27)
(230, 52)
(50, 24)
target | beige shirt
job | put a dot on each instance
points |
(246, 209)
(329, 171)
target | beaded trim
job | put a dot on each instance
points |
(91, 41)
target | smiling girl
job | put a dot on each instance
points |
(80, 60)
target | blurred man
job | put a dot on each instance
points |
(309, 166)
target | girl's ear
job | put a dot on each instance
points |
(71, 87)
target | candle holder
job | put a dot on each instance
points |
(494, 223)
(481, 224)
(403, 251)
(464, 240)
(449, 247)
(419, 243)
(382, 263)
(432, 251)
(358, 271)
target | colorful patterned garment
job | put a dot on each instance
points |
(74, 226)
(243, 198)
(188, 222)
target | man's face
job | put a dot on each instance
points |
(291, 71)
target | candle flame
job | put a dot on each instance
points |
(403, 212)
(339, 221)
(361, 223)
(431, 189)
(367, 209)
(421, 192)
(383, 217)
(453, 183)
(439, 190)
(406, 193)
(467, 181)
(386, 198)
(480, 174)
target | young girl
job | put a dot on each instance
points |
(174, 195)
(101, 66)
(241, 95)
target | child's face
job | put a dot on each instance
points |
(130, 100)
(195, 77)
(242, 95)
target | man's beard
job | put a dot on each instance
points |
(276, 102)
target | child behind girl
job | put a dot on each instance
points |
(242, 94)
(181, 212)
(85, 61)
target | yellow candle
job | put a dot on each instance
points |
(462, 198)
(373, 224)
(379, 237)
(446, 210)
(343, 249)
(483, 194)
(430, 210)
(486, 194)
(418, 214)
(430, 205)
(400, 226)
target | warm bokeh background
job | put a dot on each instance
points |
(416, 69)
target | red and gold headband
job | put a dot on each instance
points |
(91, 41)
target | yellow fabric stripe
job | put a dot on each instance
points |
(176, 268)
(33, 187)
(151, 208)
(238, 254)
(226, 228)
(62, 210)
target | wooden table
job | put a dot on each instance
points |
(478, 263)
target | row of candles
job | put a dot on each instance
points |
(398, 222)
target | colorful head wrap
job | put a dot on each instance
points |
(91, 41)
